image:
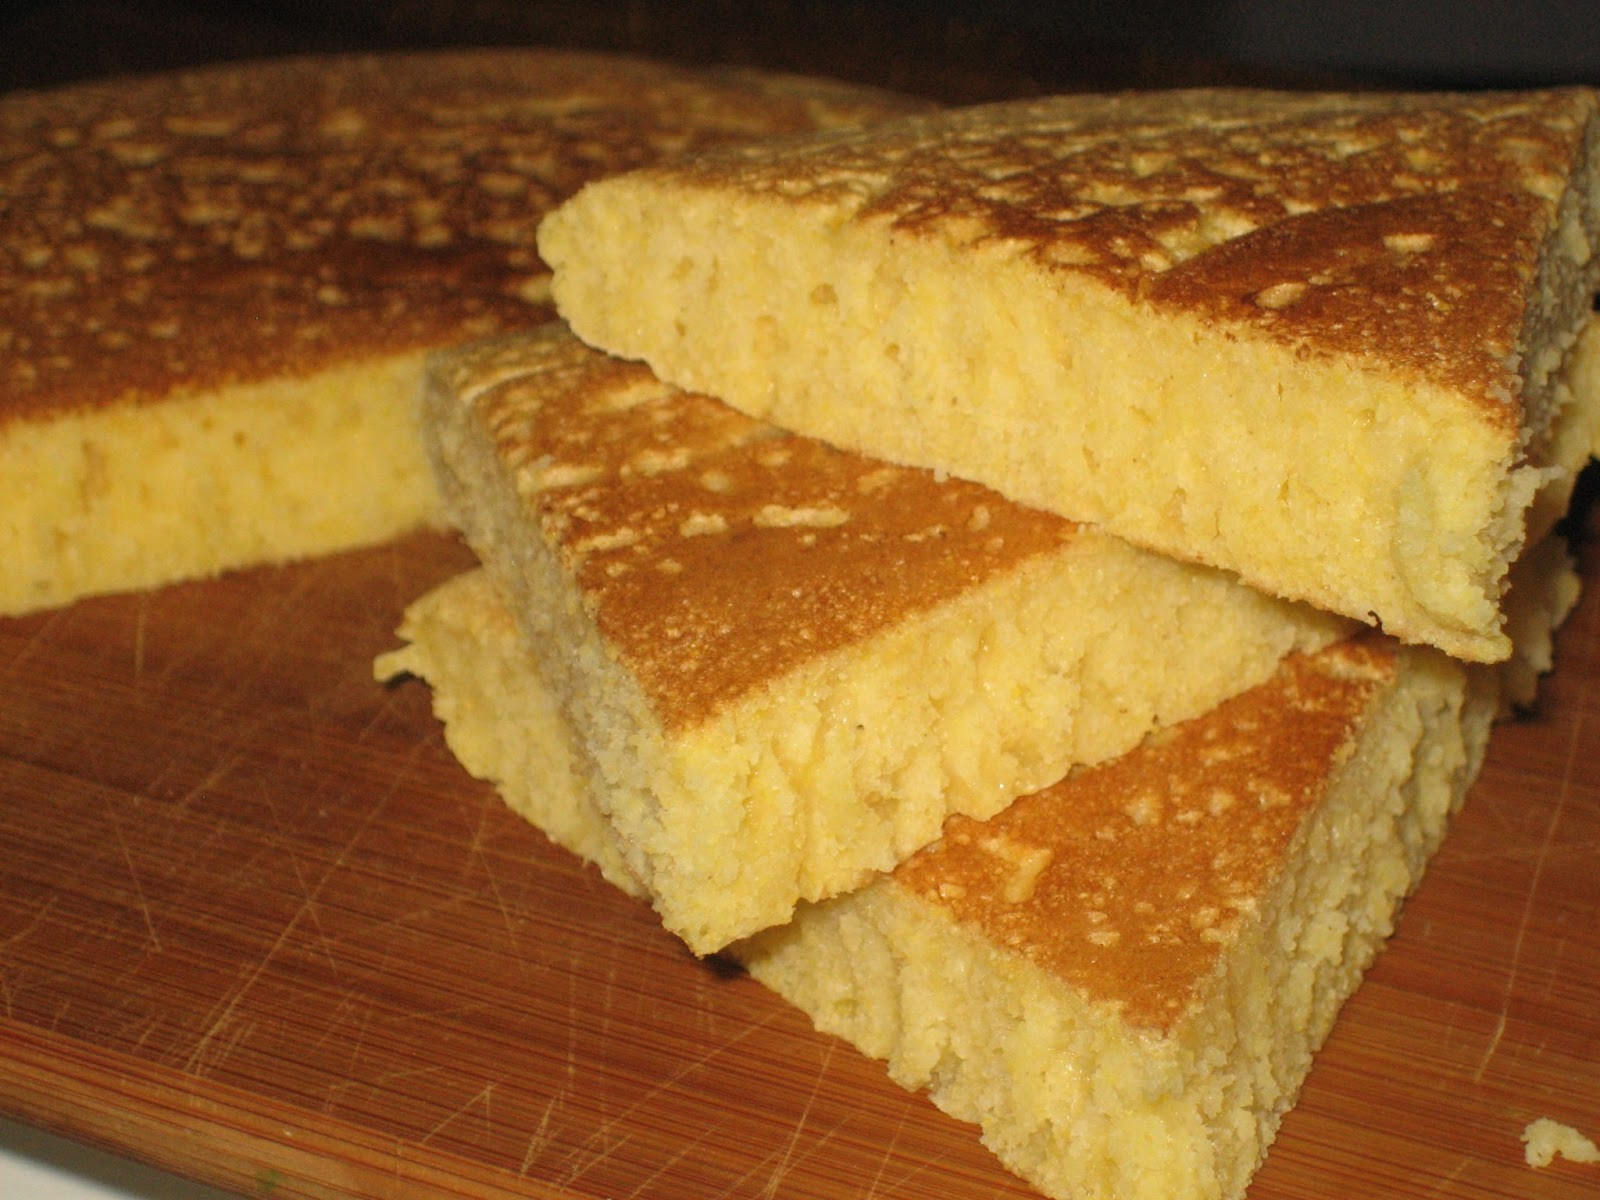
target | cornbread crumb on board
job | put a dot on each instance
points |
(217, 285)
(1324, 340)
(1545, 1140)
(766, 643)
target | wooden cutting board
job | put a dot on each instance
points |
(258, 927)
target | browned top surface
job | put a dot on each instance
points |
(1400, 229)
(234, 223)
(1128, 879)
(717, 552)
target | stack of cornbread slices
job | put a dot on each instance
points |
(791, 694)
(788, 664)
(217, 286)
(1091, 842)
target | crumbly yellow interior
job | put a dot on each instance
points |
(128, 497)
(1362, 492)
(1073, 1098)
(1544, 590)
(500, 719)
(851, 761)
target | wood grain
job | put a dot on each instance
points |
(258, 927)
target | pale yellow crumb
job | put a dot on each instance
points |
(1543, 1140)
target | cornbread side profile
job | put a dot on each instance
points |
(1323, 340)
(786, 664)
(502, 723)
(217, 286)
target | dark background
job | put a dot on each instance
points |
(959, 49)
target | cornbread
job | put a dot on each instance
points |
(785, 664)
(1323, 340)
(217, 286)
(1544, 1140)
(501, 721)
(1165, 940)
(500, 718)
(1092, 975)
(1322, 723)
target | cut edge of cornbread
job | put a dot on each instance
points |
(505, 727)
(812, 301)
(849, 760)
(499, 718)
(132, 496)
(1544, 590)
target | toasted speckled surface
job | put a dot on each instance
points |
(1396, 229)
(716, 552)
(1128, 880)
(240, 223)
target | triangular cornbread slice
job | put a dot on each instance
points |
(787, 664)
(1123, 977)
(217, 286)
(1164, 940)
(1319, 339)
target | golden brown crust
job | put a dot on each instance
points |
(1128, 879)
(1400, 230)
(244, 222)
(717, 553)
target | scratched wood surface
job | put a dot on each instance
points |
(256, 926)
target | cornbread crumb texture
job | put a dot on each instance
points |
(1544, 590)
(1163, 940)
(1315, 338)
(766, 642)
(500, 719)
(1574, 434)
(1545, 1139)
(135, 496)
(250, 221)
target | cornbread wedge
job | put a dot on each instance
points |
(1122, 978)
(1323, 340)
(1164, 940)
(787, 664)
(217, 286)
